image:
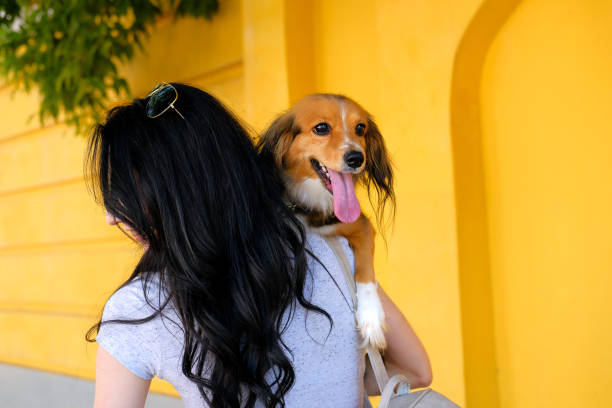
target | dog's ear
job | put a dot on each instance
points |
(275, 142)
(378, 174)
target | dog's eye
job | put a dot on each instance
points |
(322, 129)
(360, 129)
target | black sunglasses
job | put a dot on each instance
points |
(160, 99)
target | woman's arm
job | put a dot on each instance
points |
(117, 386)
(405, 353)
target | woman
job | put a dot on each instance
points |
(232, 302)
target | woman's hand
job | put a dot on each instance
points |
(405, 353)
(117, 386)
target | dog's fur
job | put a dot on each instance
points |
(326, 127)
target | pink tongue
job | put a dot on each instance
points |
(346, 206)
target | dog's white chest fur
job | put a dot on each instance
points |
(310, 194)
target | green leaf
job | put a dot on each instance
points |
(69, 49)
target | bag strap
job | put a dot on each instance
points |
(346, 268)
(390, 391)
(378, 366)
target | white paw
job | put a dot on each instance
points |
(370, 316)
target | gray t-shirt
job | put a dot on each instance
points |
(329, 365)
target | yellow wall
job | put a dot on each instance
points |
(495, 113)
(547, 153)
(530, 127)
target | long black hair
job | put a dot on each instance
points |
(227, 250)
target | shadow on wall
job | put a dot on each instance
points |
(480, 367)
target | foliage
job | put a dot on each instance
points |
(70, 49)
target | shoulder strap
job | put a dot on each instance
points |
(374, 355)
(345, 266)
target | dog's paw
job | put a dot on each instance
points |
(370, 316)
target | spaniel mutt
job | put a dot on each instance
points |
(323, 147)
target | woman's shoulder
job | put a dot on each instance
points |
(136, 299)
(138, 345)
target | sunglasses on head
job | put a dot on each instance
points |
(160, 99)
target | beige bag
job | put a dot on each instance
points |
(395, 391)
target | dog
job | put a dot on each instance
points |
(323, 146)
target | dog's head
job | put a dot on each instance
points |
(322, 146)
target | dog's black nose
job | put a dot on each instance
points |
(354, 159)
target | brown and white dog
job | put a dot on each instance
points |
(323, 146)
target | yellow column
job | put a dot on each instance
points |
(265, 65)
(301, 58)
(480, 364)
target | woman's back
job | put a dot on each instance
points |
(182, 176)
(329, 364)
